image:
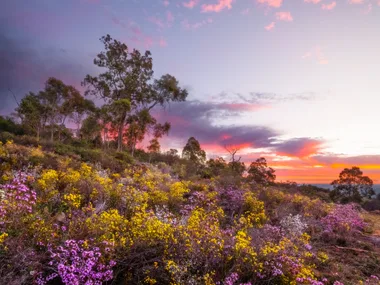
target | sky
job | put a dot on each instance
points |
(294, 81)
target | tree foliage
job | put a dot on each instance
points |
(50, 108)
(32, 114)
(352, 186)
(194, 152)
(260, 173)
(129, 90)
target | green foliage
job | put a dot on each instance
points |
(8, 125)
(32, 114)
(216, 166)
(48, 110)
(91, 130)
(129, 90)
(193, 151)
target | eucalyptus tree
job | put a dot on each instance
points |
(130, 91)
(352, 186)
(193, 151)
(32, 113)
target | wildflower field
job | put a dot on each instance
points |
(64, 220)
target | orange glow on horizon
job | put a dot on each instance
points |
(364, 166)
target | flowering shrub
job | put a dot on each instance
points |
(343, 219)
(293, 225)
(160, 230)
(16, 198)
(109, 226)
(76, 262)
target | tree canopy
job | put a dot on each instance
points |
(352, 186)
(52, 106)
(129, 90)
(193, 151)
(260, 173)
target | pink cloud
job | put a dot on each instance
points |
(271, 3)
(194, 26)
(147, 41)
(162, 42)
(190, 4)
(330, 6)
(284, 16)
(165, 3)
(157, 21)
(136, 30)
(160, 23)
(270, 26)
(245, 11)
(308, 54)
(298, 147)
(116, 21)
(320, 55)
(368, 9)
(313, 1)
(317, 53)
(355, 1)
(221, 5)
(169, 17)
(241, 107)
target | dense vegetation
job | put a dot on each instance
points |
(89, 207)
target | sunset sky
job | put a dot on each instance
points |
(295, 81)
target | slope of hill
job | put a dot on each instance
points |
(97, 217)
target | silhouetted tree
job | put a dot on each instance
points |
(128, 88)
(153, 147)
(80, 108)
(352, 186)
(216, 166)
(58, 101)
(194, 152)
(235, 165)
(32, 113)
(90, 129)
(51, 107)
(260, 173)
(10, 126)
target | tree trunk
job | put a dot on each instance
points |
(120, 134)
(120, 138)
(133, 147)
(52, 134)
(38, 134)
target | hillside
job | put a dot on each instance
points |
(71, 215)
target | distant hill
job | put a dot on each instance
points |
(376, 187)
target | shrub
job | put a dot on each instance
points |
(77, 262)
(342, 220)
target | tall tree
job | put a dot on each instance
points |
(352, 186)
(58, 100)
(32, 113)
(260, 173)
(128, 80)
(216, 166)
(235, 164)
(81, 107)
(193, 151)
(90, 129)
